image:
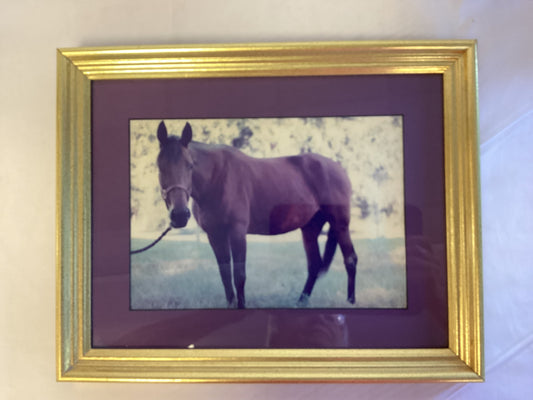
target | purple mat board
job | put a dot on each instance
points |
(418, 98)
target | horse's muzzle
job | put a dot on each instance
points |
(179, 218)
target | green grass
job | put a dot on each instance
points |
(184, 274)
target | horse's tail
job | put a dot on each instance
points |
(329, 252)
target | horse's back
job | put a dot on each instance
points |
(307, 177)
(326, 178)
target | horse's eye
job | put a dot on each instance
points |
(190, 166)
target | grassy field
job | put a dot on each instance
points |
(184, 274)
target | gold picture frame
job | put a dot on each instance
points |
(453, 61)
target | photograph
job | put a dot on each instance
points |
(267, 213)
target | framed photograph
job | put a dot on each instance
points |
(281, 212)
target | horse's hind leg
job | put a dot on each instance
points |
(350, 259)
(310, 234)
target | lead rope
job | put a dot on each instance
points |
(153, 243)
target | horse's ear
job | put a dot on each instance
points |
(162, 133)
(186, 135)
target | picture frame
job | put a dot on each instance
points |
(92, 81)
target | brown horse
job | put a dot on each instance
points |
(234, 195)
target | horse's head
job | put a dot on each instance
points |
(175, 173)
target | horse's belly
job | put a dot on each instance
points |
(283, 218)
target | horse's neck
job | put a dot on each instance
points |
(205, 168)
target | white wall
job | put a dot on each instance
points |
(30, 31)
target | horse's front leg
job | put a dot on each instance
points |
(238, 251)
(220, 244)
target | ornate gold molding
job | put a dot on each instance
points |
(455, 60)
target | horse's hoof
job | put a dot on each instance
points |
(232, 304)
(303, 301)
(351, 299)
